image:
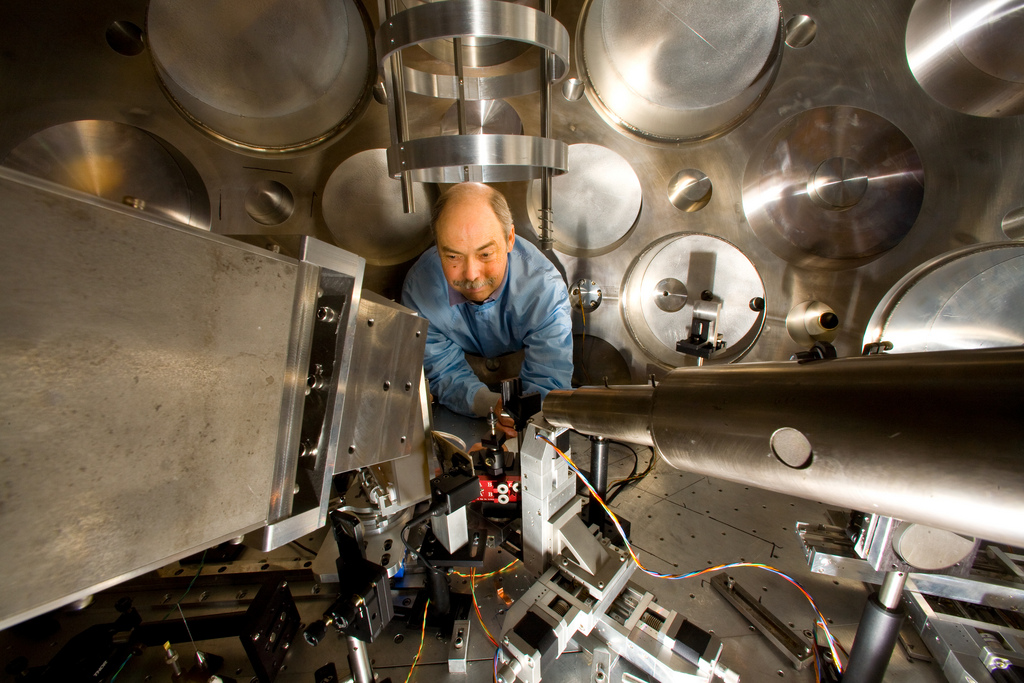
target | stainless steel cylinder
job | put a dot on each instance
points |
(926, 437)
(622, 412)
(359, 661)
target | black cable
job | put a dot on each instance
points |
(634, 478)
(419, 519)
(299, 545)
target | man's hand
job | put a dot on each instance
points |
(505, 424)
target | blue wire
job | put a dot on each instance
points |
(112, 678)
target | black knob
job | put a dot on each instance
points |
(315, 632)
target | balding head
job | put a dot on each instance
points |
(473, 193)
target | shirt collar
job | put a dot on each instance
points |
(455, 297)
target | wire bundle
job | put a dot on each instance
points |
(821, 621)
(423, 635)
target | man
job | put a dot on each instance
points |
(487, 293)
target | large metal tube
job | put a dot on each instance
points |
(622, 412)
(934, 438)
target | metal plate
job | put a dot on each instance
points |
(264, 74)
(691, 264)
(595, 205)
(491, 117)
(638, 58)
(833, 187)
(384, 380)
(118, 162)
(969, 299)
(967, 54)
(362, 207)
(143, 367)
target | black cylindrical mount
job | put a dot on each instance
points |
(874, 642)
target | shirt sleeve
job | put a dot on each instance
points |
(451, 379)
(548, 340)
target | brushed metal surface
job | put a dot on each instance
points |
(968, 299)
(363, 209)
(858, 58)
(382, 415)
(143, 367)
(492, 117)
(967, 54)
(670, 70)
(833, 187)
(476, 52)
(905, 459)
(594, 205)
(678, 270)
(117, 162)
(266, 74)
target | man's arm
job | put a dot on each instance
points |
(451, 379)
(548, 341)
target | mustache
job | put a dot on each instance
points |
(475, 284)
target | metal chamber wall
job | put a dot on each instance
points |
(844, 103)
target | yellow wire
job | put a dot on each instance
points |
(423, 634)
(476, 606)
(488, 574)
(615, 520)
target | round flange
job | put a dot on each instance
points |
(968, 54)
(637, 59)
(833, 188)
(360, 194)
(265, 76)
(595, 206)
(970, 298)
(707, 270)
(118, 162)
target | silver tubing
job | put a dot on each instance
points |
(891, 591)
(931, 437)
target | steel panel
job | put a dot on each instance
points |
(142, 367)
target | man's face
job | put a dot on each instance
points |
(473, 247)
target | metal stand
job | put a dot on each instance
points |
(876, 636)
(359, 661)
(598, 478)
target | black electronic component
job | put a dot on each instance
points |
(272, 622)
(451, 492)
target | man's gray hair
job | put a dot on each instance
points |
(499, 205)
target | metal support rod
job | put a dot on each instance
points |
(931, 437)
(460, 74)
(398, 112)
(598, 477)
(359, 661)
(891, 591)
(877, 633)
(547, 239)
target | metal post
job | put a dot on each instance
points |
(359, 661)
(394, 84)
(547, 240)
(598, 478)
(876, 635)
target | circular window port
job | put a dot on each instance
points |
(268, 202)
(125, 38)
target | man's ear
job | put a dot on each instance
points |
(511, 238)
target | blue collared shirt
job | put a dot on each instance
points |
(529, 310)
